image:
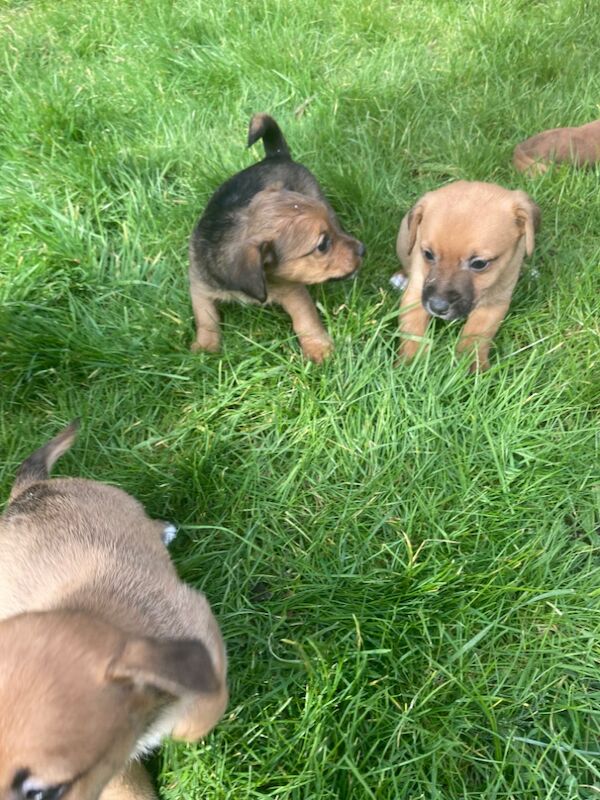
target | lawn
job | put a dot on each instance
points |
(405, 562)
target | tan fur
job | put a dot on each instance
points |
(457, 223)
(578, 146)
(103, 650)
(278, 237)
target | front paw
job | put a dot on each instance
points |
(408, 350)
(207, 341)
(478, 355)
(479, 366)
(399, 281)
(169, 533)
(317, 350)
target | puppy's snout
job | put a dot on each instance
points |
(447, 303)
(438, 305)
(361, 250)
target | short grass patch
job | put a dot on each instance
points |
(405, 562)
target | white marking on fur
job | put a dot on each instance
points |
(33, 785)
(168, 535)
(162, 727)
(399, 281)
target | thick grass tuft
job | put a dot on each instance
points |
(405, 562)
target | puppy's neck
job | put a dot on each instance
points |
(148, 614)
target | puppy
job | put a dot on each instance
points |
(103, 651)
(580, 146)
(462, 247)
(266, 234)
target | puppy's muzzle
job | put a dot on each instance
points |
(359, 252)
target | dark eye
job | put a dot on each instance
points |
(478, 264)
(428, 255)
(324, 243)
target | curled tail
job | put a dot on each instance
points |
(264, 127)
(37, 467)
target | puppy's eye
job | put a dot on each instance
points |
(428, 255)
(324, 243)
(478, 264)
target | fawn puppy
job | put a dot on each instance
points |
(462, 247)
(103, 650)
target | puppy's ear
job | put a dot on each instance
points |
(37, 467)
(415, 217)
(246, 272)
(173, 666)
(528, 218)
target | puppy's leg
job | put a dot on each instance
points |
(206, 314)
(413, 319)
(480, 328)
(314, 340)
(132, 784)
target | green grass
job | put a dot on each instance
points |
(405, 562)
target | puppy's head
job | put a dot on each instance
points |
(291, 237)
(471, 238)
(77, 695)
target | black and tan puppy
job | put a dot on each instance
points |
(103, 650)
(462, 247)
(266, 234)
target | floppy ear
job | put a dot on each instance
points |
(246, 272)
(527, 217)
(171, 666)
(415, 216)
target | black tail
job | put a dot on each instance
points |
(37, 467)
(264, 127)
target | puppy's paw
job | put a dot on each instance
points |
(475, 355)
(479, 366)
(408, 350)
(399, 281)
(316, 350)
(535, 169)
(169, 534)
(207, 341)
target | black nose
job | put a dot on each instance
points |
(361, 250)
(438, 305)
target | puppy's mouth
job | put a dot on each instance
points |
(348, 276)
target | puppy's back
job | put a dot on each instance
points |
(277, 168)
(85, 544)
(65, 534)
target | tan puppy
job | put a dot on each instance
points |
(462, 247)
(580, 146)
(103, 651)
